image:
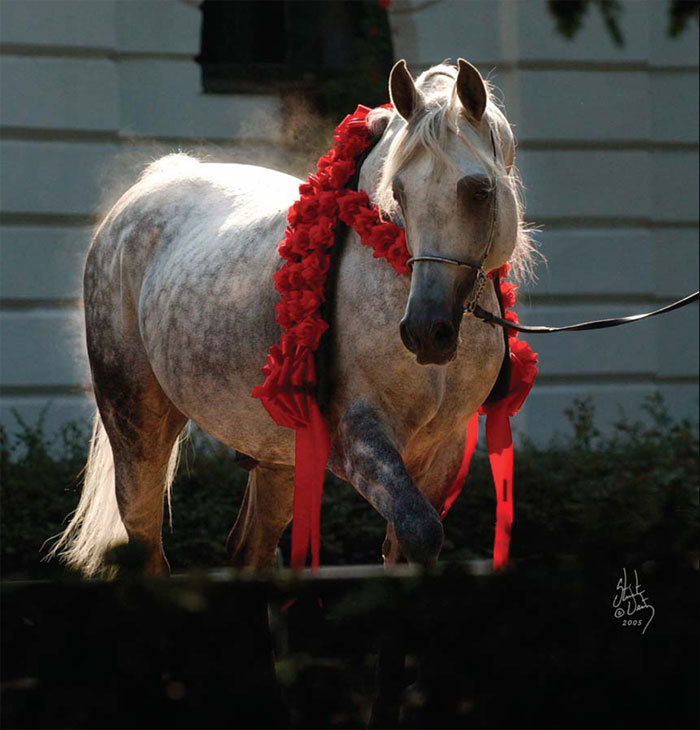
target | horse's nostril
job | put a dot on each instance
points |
(407, 338)
(442, 334)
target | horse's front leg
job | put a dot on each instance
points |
(373, 465)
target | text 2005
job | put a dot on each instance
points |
(632, 622)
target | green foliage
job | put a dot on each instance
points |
(569, 15)
(631, 493)
(680, 12)
(39, 483)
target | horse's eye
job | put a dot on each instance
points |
(481, 194)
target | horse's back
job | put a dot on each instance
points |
(180, 206)
(180, 192)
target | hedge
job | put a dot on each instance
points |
(631, 493)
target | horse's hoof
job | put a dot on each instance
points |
(420, 537)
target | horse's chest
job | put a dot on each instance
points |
(468, 380)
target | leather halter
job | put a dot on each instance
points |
(481, 278)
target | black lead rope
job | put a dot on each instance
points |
(596, 324)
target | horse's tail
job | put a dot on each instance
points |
(96, 525)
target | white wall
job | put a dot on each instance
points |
(90, 91)
(608, 150)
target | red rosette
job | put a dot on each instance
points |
(365, 219)
(290, 277)
(508, 294)
(295, 305)
(511, 316)
(307, 209)
(295, 243)
(350, 203)
(523, 371)
(293, 216)
(327, 203)
(283, 313)
(398, 254)
(308, 331)
(313, 270)
(326, 160)
(380, 239)
(320, 234)
(351, 147)
(339, 173)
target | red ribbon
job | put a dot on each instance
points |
(499, 442)
(458, 482)
(311, 447)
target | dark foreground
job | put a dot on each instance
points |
(538, 646)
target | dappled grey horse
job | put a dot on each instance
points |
(180, 313)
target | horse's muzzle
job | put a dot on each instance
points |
(432, 342)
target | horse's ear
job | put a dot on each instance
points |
(404, 96)
(471, 90)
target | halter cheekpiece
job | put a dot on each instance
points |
(481, 275)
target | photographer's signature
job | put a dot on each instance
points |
(629, 600)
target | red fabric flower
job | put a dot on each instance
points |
(508, 294)
(283, 315)
(340, 173)
(327, 203)
(290, 278)
(398, 254)
(365, 219)
(523, 370)
(350, 203)
(302, 303)
(295, 244)
(308, 209)
(380, 238)
(326, 161)
(313, 270)
(308, 332)
(352, 147)
(321, 233)
(511, 316)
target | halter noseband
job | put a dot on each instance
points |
(480, 280)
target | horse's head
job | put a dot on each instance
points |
(449, 169)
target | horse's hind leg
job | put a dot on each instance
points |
(142, 426)
(265, 513)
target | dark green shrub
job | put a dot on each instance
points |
(630, 494)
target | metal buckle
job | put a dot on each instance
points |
(477, 290)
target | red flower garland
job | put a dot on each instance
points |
(288, 392)
(306, 250)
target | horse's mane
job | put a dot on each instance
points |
(441, 116)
